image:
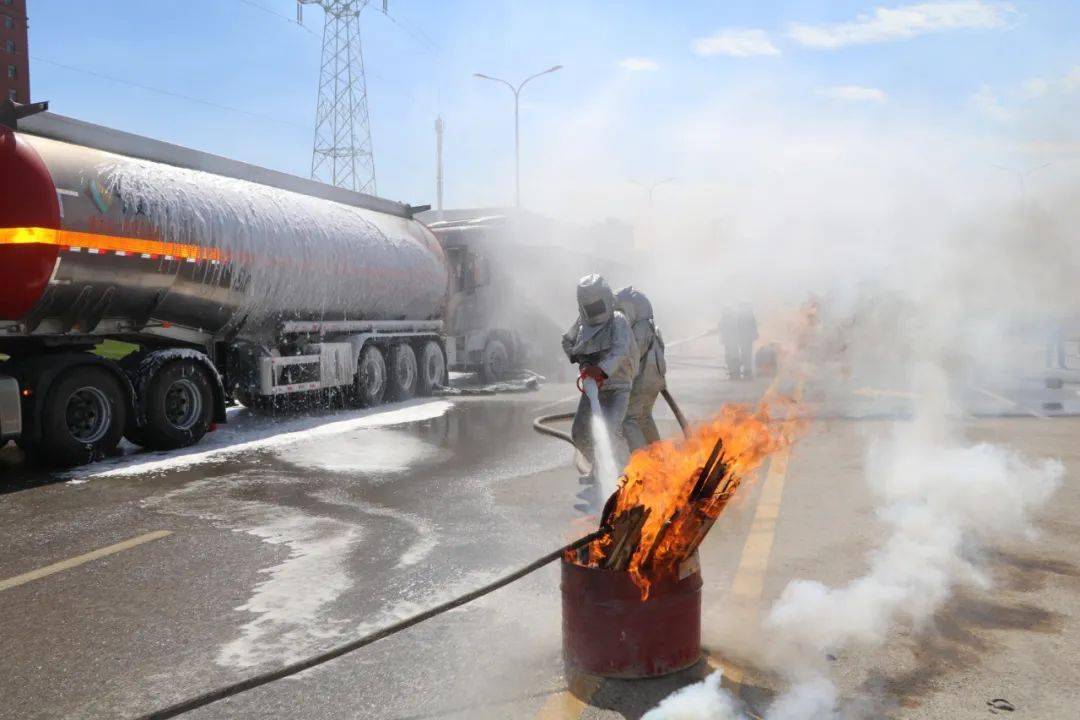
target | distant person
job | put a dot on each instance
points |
(640, 427)
(738, 332)
(747, 336)
(1055, 345)
(601, 343)
(729, 332)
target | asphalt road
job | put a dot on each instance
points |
(145, 579)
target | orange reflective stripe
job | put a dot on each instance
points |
(72, 238)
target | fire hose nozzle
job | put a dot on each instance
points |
(590, 372)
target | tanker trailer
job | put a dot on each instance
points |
(234, 282)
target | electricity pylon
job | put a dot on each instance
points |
(342, 154)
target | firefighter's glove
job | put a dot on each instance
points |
(595, 373)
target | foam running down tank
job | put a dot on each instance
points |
(233, 280)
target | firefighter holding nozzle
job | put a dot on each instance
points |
(601, 343)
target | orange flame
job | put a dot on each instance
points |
(662, 477)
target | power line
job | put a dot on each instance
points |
(276, 14)
(169, 93)
(415, 33)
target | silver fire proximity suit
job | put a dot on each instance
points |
(639, 426)
(601, 339)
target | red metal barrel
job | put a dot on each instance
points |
(608, 630)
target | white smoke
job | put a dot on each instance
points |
(704, 700)
(935, 493)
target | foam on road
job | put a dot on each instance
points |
(254, 432)
(369, 451)
(289, 610)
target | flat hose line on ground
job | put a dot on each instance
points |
(297, 667)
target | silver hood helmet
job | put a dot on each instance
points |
(596, 302)
(633, 304)
(593, 332)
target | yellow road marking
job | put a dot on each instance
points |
(746, 588)
(81, 559)
(566, 704)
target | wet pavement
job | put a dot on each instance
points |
(280, 537)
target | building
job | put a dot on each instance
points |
(14, 54)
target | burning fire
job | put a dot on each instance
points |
(672, 491)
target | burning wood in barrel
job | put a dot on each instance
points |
(632, 598)
(673, 491)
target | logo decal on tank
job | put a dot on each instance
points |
(101, 195)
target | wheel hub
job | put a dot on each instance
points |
(183, 404)
(88, 414)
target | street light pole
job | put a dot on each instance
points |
(651, 189)
(517, 123)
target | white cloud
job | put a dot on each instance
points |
(638, 64)
(905, 21)
(1039, 88)
(854, 92)
(736, 42)
(1036, 88)
(986, 101)
(1067, 84)
(1071, 82)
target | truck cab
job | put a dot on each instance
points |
(481, 326)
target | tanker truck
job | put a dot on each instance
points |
(234, 282)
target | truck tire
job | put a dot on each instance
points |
(432, 368)
(403, 372)
(83, 418)
(371, 380)
(495, 362)
(179, 406)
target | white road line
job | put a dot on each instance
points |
(81, 559)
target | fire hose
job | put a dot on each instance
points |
(285, 671)
(227, 691)
(542, 424)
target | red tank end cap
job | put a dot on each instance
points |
(27, 199)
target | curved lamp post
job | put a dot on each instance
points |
(517, 130)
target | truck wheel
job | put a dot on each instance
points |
(432, 368)
(495, 363)
(403, 372)
(371, 377)
(179, 406)
(83, 418)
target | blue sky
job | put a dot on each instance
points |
(636, 73)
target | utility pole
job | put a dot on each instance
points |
(517, 125)
(342, 154)
(652, 188)
(438, 166)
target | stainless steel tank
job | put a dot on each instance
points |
(141, 239)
